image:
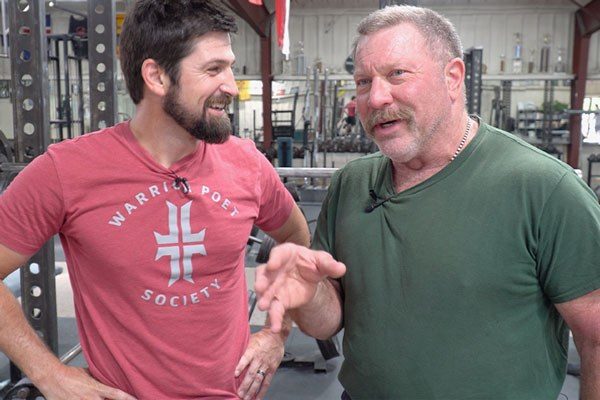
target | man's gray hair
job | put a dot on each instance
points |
(439, 33)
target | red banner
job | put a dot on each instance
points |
(282, 16)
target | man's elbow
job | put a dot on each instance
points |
(589, 342)
(316, 324)
(587, 339)
(300, 237)
(319, 333)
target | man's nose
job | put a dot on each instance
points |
(380, 94)
(229, 86)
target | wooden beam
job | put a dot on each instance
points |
(257, 17)
(267, 81)
(581, 49)
(589, 18)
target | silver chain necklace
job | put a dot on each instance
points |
(463, 140)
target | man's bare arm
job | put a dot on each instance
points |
(294, 230)
(17, 339)
(25, 348)
(583, 317)
(323, 316)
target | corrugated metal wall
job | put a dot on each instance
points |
(327, 33)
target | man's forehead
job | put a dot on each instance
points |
(404, 34)
(401, 41)
(214, 45)
(213, 39)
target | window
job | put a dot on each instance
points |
(590, 122)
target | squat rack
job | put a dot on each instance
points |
(29, 73)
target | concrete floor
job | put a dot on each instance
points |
(289, 383)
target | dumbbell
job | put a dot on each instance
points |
(23, 390)
(266, 244)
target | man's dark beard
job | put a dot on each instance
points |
(210, 130)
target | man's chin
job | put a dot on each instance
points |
(211, 137)
(220, 140)
(397, 150)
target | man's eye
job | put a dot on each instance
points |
(363, 82)
(397, 72)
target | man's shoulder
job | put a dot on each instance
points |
(94, 151)
(96, 139)
(515, 151)
(236, 149)
(238, 153)
(235, 143)
(511, 160)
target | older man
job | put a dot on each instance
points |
(463, 252)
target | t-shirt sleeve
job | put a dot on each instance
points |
(325, 231)
(32, 207)
(320, 240)
(324, 237)
(568, 259)
(276, 202)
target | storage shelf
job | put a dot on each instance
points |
(556, 140)
(527, 77)
(485, 77)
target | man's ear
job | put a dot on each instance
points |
(454, 73)
(155, 78)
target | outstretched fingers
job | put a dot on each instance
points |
(276, 315)
(270, 277)
(328, 266)
(266, 285)
(289, 279)
(312, 265)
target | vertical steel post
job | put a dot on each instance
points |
(267, 91)
(67, 103)
(315, 115)
(102, 45)
(29, 73)
(4, 35)
(334, 112)
(80, 108)
(506, 104)
(581, 51)
(473, 78)
(323, 119)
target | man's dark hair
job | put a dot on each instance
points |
(165, 31)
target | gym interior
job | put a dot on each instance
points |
(533, 69)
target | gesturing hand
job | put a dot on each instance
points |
(290, 278)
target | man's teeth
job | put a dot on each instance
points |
(386, 124)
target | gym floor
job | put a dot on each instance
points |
(296, 382)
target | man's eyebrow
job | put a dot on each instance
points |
(219, 61)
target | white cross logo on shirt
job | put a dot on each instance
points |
(180, 248)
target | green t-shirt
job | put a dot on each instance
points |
(450, 284)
